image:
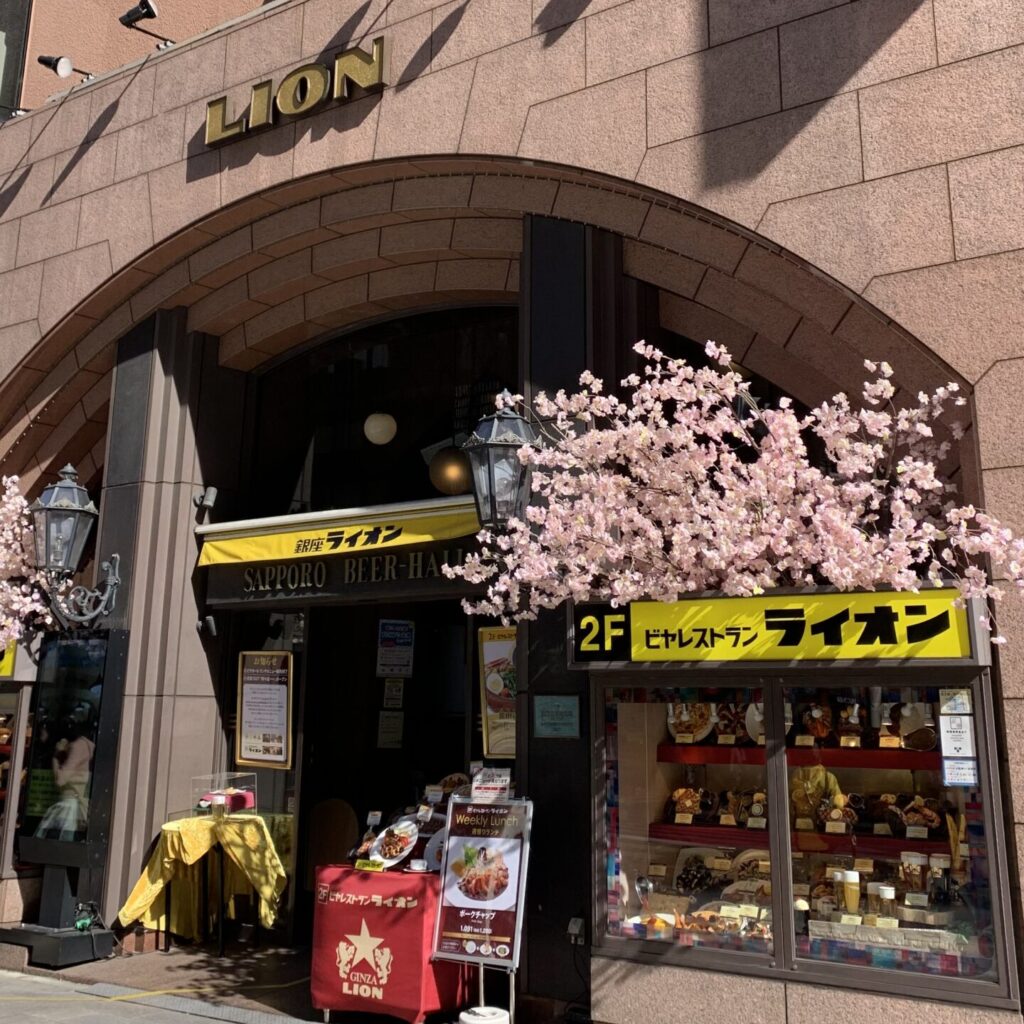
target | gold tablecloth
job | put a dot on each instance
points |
(251, 862)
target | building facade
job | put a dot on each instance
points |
(807, 182)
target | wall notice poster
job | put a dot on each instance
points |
(263, 738)
(395, 639)
(483, 882)
(498, 690)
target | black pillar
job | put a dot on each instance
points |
(574, 308)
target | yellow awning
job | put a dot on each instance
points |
(345, 532)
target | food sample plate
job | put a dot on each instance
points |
(433, 852)
(755, 722)
(706, 853)
(746, 856)
(689, 722)
(395, 843)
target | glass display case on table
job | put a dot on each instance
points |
(224, 793)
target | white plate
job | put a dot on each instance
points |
(698, 734)
(434, 850)
(755, 725)
(406, 828)
(669, 919)
(742, 858)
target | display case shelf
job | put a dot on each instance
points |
(798, 757)
(688, 753)
(5, 748)
(807, 842)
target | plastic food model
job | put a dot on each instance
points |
(732, 721)
(687, 801)
(836, 809)
(808, 787)
(818, 721)
(850, 723)
(919, 812)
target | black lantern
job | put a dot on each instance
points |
(62, 519)
(501, 483)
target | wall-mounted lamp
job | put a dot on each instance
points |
(380, 428)
(62, 517)
(143, 11)
(63, 67)
(140, 12)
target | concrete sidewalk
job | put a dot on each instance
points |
(31, 999)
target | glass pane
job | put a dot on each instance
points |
(62, 529)
(69, 690)
(687, 818)
(890, 857)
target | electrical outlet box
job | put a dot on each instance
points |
(575, 931)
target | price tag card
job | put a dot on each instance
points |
(871, 920)
(955, 702)
(424, 813)
(917, 832)
(726, 739)
(863, 865)
(684, 819)
(801, 889)
(805, 741)
(749, 910)
(804, 825)
(917, 899)
(727, 819)
(728, 910)
(764, 867)
(657, 870)
(850, 919)
(760, 740)
(757, 822)
(373, 819)
(720, 864)
(849, 741)
(475, 768)
(965, 850)
(836, 827)
(887, 922)
(369, 865)
(434, 794)
(882, 830)
(684, 737)
(889, 742)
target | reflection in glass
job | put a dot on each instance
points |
(687, 818)
(890, 863)
(64, 743)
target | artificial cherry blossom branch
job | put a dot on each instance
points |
(689, 484)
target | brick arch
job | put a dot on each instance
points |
(303, 259)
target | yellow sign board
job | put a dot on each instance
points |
(346, 538)
(7, 658)
(777, 627)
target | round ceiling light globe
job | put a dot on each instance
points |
(380, 428)
(449, 471)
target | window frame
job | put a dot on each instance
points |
(783, 964)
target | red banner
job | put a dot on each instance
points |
(372, 945)
(483, 881)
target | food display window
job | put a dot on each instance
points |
(836, 827)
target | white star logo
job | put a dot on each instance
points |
(364, 944)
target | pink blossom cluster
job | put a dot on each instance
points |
(21, 595)
(689, 484)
